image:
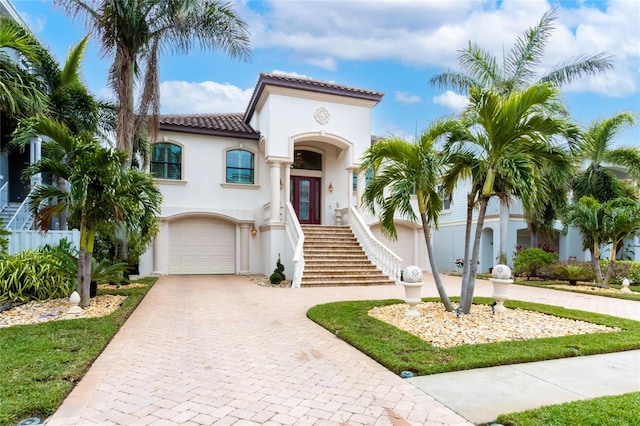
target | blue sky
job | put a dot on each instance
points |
(388, 46)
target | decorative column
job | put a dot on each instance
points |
(160, 247)
(350, 188)
(287, 182)
(360, 187)
(244, 248)
(274, 172)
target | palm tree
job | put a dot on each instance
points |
(400, 169)
(597, 179)
(20, 90)
(587, 215)
(517, 71)
(504, 150)
(101, 191)
(135, 32)
(482, 69)
(621, 220)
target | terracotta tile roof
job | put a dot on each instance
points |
(228, 124)
(292, 82)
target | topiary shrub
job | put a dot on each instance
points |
(526, 262)
(278, 274)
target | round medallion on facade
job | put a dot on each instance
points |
(322, 116)
(501, 272)
(412, 274)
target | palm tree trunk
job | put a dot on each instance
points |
(611, 268)
(83, 283)
(444, 297)
(465, 302)
(504, 230)
(595, 258)
(61, 184)
(467, 244)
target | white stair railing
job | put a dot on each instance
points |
(4, 195)
(388, 262)
(296, 239)
(22, 217)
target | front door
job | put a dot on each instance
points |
(305, 198)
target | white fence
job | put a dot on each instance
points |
(28, 240)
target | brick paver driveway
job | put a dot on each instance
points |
(204, 350)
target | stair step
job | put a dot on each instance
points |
(345, 283)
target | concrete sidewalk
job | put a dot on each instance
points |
(482, 395)
(220, 350)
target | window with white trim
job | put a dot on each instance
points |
(166, 161)
(240, 166)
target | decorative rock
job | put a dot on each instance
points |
(412, 274)
(501, 272)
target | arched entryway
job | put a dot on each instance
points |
(306, 185)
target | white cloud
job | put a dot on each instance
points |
(185, 97)
(35, 23)
(430, 34)
(455, 102)
(290, 74)
(406, 98)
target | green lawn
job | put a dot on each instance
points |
(400, 351)
(623, 410)
(585, 288)
(40, 363)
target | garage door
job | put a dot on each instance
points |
(403, 246)
(201, 245)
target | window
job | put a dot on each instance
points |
(368, 177)
(166, 161)
(446, 199)
(306, 160)
(240, 167)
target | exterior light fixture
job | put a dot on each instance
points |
(254, 231)
(281, 184)
(330, 187)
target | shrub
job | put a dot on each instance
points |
(573, 273)
(32, 275)
(278, 274)
(528, 261)
(623, 269)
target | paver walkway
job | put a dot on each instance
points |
(220, 350)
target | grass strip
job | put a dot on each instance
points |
(584, 289)
(41, 363)
(400, 351)
(619, 410)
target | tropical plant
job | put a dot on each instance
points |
(135, 33)
(506, 147)
(597, 180)
(101, 191)
(587, 216)
(573, 273)
(621, 220)
(31, 275)
(402, 169)
(20, 89)
(481, 69)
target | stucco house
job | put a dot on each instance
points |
(241, 189)
(237, 187)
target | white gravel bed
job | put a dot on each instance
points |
(56, 309)
(444, 329)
